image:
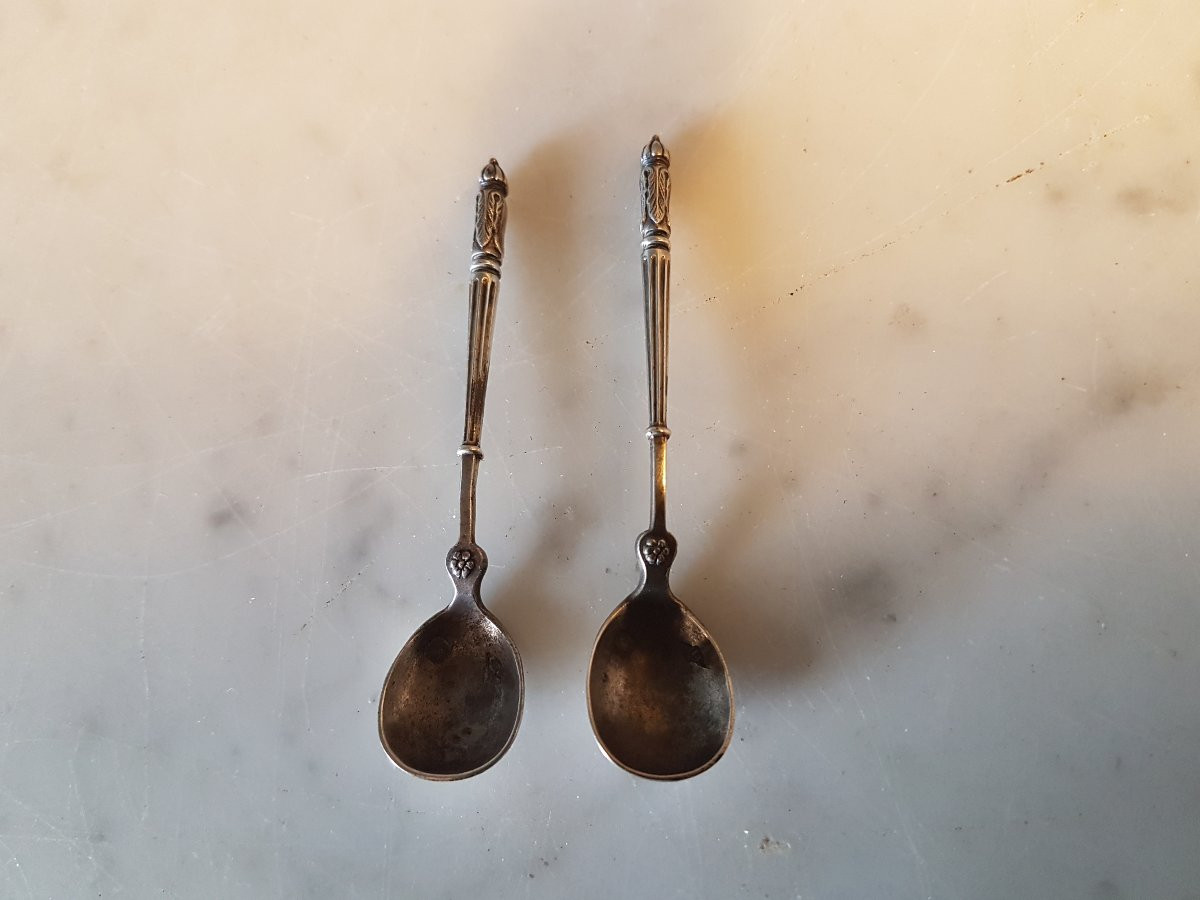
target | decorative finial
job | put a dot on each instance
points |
(655, 151)
(493, 173)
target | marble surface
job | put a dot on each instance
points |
(934, 396)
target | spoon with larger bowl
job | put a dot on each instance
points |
(452, 700)
(659, 695)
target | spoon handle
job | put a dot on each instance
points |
(656, 291)
(487, 252)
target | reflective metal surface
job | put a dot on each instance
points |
(452, 701)
(659, 694)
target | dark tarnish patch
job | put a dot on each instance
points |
(437, 650)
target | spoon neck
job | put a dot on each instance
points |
(470, 454)
(658, 435)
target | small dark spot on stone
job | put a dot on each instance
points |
(769, 845)
(1123, 395)
(1136, 200)
(1143, 200)
(865, 589)
(908, 319)
(891, 617)
(221, 518)
(1056, 195)
(265, 424)
(360, 547)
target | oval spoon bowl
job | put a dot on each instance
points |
(453, 698)
(659, 694)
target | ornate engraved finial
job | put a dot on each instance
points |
(491, 214)
(656, 192)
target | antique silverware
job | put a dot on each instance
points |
(659, 694)
(452, 700)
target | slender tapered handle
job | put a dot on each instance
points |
(487, 252)
(656, 291)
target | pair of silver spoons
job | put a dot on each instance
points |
(658, 692)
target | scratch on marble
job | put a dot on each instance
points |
(898, 128)
(1049, 45)
(15, 860)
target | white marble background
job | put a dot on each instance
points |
(934, 395)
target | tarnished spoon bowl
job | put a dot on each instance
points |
(659, 693)
(452, 700)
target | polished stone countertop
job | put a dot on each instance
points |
(933, 474)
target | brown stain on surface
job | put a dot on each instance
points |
(1126, 393)
(1174, 191)
(1056, 194)
(908, 319)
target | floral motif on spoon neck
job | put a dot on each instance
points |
(656, 551)
(461, 562)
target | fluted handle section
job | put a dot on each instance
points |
(487, 253)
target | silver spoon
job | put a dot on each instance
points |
(453, 698)
(659, 694)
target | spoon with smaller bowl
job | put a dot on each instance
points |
(659, 694)
(452, 700)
